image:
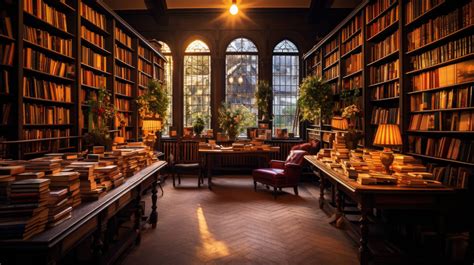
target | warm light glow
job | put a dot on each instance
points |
(231, 80)
(240, 80)
(388, 135)
(210, 247)
(234, 9)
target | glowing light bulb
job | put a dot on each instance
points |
(234, 9)
(240, 80)
(231, 80)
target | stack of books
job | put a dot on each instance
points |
(90, 191)
(67, 180)
(8, 173)
(373, 160)
(27, 213)
(130, 161)
(67, 158)
(111, 173)
(48, 165)
(59, 206)
(356, 164)
(340, 152)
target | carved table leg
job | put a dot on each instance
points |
(364, 235)
(154, 214)
(339, 208)
(138, 216)
(321, 190)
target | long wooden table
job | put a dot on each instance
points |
(370, 197)
(210, 154)
(89, 219)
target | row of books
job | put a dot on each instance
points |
(123, 119)
(353, 43)
(144, 66)
(145, 53)
(377, 7)
(330, 46)
(354, 25)
(452, 50)
(45, 133)
(122, 104)
(383, 91)
(123, 72)
(40, 114)
(46, 13)
(443, 121)
(382, 22)
(124, 55)
(93, 59)
(38, 61)
(441, 26)
(444, 147)
(92, 79)
(123, 88)
(384, 72)
(93, 16)
(92, 37)
(5, 112)
(87, 94)
(46, 146)
(331, 59)
(5, 25)
(48, 41)
(143, 80)
(5, 82)
(37, 88)
(385, 47)
(353, 82)
(456, 177)
(385, 115)
(123, 37)
(353, 63)
(7, 51)
(331, 72)
(415, 8)
(444, 76)
(462, 97)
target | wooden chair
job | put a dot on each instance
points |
(187, 161)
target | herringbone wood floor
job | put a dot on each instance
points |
(235, 225)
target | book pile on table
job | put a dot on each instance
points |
(48, 165)
(111, 173)
(340, 151)
(59, 207)
(8, 173)
(324, 153)
(27, 213)
(67, 180)
(67, 158)
(130, 161)
(356, 164)
(373, 160)
(88, 180)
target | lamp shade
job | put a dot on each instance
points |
(339, 123)
(151, 125)
(388, 135)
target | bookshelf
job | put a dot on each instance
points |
(58, 58)
(417, 59)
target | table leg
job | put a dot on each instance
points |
(339, 209)
(138, 216)
(209, 171)
(364, 235)
(154, 214)
(321, 190)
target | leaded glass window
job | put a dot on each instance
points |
(285, 86)
(166, 51)
(242, 73)
(197, 83)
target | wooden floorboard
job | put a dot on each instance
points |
(232, 224)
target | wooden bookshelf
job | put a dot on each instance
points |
(89, 54)
(408, 73)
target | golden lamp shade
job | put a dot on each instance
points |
(339, 123)
(388, 135)
(151, 125)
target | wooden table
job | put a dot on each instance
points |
(209, 154)
(370, 197)
(89, 219)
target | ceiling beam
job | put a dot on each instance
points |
(158, 10)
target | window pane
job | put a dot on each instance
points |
(198, 46)
(286, 46)
(241, 45)
(197, 88)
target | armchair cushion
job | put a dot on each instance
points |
(277, 164)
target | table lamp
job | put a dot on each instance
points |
(387, 136)
(151, 125)
(339, 123)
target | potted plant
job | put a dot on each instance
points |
(154, 102)
(316, 99)
(352, 136)
(198, 125)
(263, 97)
(101, 113)
(234, 119)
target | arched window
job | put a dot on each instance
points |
(285, 86)
(166, 51)
(241, 62)
(197, 83)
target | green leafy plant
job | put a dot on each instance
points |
(198, 124)
(316, 99)
(154, 102)
(263, 97)
(234, 119)
(101, 113)
(350, 97)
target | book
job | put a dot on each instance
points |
(47, 40)
(45, 12)
(93, 16)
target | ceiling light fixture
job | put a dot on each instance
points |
(234, 9)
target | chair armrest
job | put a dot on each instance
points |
(277, 164)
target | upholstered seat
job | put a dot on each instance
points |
(281, 174)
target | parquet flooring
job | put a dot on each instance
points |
(235, 225)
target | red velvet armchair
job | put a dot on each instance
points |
(281, 174)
